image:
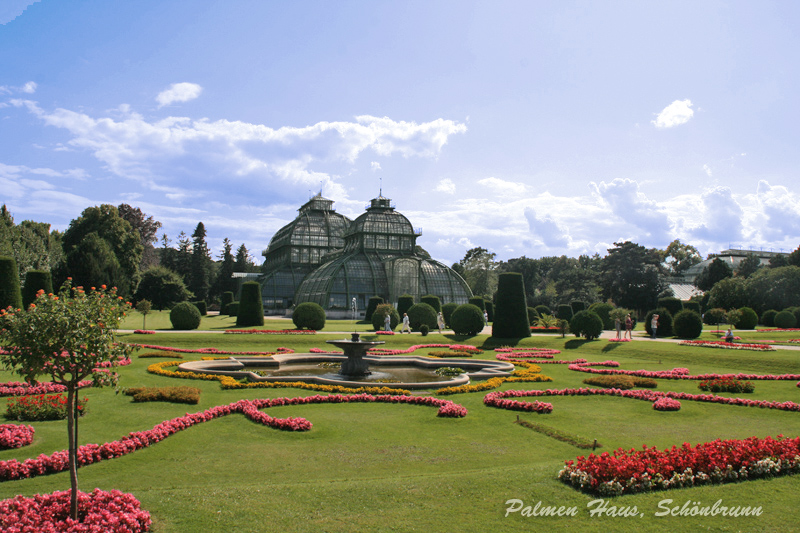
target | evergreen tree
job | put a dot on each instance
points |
(183, 259)
(199, 278)
(631, 275)
(147, 227)
(224, 281)
(244, 261)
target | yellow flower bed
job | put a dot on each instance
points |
(530, 373)
(229, 383)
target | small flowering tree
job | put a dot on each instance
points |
(66, 337)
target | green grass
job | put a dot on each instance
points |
(379, 467)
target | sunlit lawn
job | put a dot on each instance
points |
(380, 467)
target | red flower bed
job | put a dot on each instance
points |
(382, 332)
(271, 331)
(211, 351)
(726, 385)
(675, 373)
(92, 453)
(729, 345)
(538, 329)
(15, 436)
(144, 332)
(15, 388)
(512, 354)
(666, 404)
(720, 461)
(100, 511)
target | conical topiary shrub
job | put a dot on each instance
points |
(10, 294)
(510, 309)
(36, 280)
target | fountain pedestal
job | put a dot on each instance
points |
(355, 349)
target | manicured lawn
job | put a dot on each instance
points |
(380, 467)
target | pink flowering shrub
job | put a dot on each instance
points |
(100, 511)
(666, 404)
(15, 436)
(92, 453)
(15, 388)
(648, 469)
(144, 332)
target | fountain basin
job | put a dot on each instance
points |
(243, 367)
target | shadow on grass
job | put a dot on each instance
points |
(610, 346)
(574, 344)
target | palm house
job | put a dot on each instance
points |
(377, 255)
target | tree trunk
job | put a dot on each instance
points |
(72, 431)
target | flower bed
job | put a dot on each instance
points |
(271, 331)
(729, 345)
(15, 436)
(109, 512)
(41, 407)
(213, 351)
(675, 373)
(726, 385)
(144, 332)
(92, 453)
(382, 332)
(666, 404)
(648, 469)
(15, 388)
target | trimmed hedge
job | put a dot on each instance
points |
(692, 305)
(478, 302)
(380, 313)
(715, 316)
(543, 310)
(511, 311)
(36, 280)
(602, 310)
(372, 304)
(201, 306)
(433, 301)
(184, 316)
(447, 312)
(233, 308)
(421, 314)
(768, 318)
(577, 306)
(533, 316)
(586, 324)
(671, 304)
(467, 319)
(227, 298)
(748, 319)
(489, 306)
(404, 303)
(309, 315)
(687, 324)
(251, 308)
(10, 294)
(785, 319)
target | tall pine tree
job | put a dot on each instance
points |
(200, 274)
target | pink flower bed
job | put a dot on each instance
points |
(410, 349)
(212, 351)
(381, 332)
(92, 453)
(619, 340)
(144, 332)
(100, 511)
(729, 345)
(15, 436)
(271, 331)
(675, 373)
(16, 388)
(720, 461)
(666, 404)
(512, 354)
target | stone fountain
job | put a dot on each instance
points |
(355, 349)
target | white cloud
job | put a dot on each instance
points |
(707, 170)
(446, 186)
(178, 92)
(11, 9)
(552, 234)
(29, 87)
(375, 166)
(634, 210)
(721, 217)
(503, 187)
(780, 209)
(677, 113)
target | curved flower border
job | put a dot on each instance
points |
(93, 453)
(15, 436)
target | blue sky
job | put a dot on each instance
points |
(527, 128)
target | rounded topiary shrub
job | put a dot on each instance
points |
(423, 329)
(478, 302)
(564, 312)
(421, 314)
(447, 312)
(687, 324)
(543, 310)
(467, 319)
(227, 299)
(785, 320)
(10, 294)
(379, 316)
(533, 316)
(404, 303)
(586, 324)
(433, 301)
(184, 316)
(510, 309)
(309, 315)
(664, 328)
(796, 312)
(692, 305)
(748, 319)
(671, 304)
(201, 306)
(768, 318)
(372, 304)
(602, 310)
(714, 316)
(36, 280)
(251, 308)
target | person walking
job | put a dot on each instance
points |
(406, 324)
(485, 318)
(654, 325)
(628, 327)
(440, 321)
(387, 323)
(618, 326)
